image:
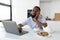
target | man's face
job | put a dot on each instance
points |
(36, 11)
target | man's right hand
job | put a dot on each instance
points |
(20, 27)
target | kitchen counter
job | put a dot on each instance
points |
(32, 35)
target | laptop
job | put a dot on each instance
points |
(11, 27)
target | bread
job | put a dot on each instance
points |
(43, 34)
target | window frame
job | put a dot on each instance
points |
(6, 5)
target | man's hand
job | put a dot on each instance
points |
(38, 22)
(34, 19)
(20, 27)
(44, 24)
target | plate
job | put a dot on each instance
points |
(49, 35)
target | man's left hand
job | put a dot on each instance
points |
(34, 19)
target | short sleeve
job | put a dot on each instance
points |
(25, 22)
(43, 20)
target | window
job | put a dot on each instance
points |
(29, 12)
(5, 10)
(5, 1)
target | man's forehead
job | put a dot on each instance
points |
(35, 9)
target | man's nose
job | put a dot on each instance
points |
(33, 13)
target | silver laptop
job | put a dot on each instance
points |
(11, 27)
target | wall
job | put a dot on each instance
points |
(50, 8)
(20, 8)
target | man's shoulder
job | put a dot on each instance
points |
(41, 17)
(29, 18)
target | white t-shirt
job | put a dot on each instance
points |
(33, 24)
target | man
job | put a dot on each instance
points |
(36, 20)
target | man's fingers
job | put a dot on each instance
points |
(44, 24)
(20, 29)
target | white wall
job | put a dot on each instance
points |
(20, 8)
(45, 8)
(50, 8)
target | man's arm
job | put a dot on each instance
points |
(39, 23)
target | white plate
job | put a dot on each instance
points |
(50, 35)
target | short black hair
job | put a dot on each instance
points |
(37, 7)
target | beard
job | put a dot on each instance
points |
(33, 15)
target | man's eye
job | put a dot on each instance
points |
(34, 10)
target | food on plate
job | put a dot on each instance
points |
(43, 33)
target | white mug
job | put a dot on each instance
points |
(36, 29)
